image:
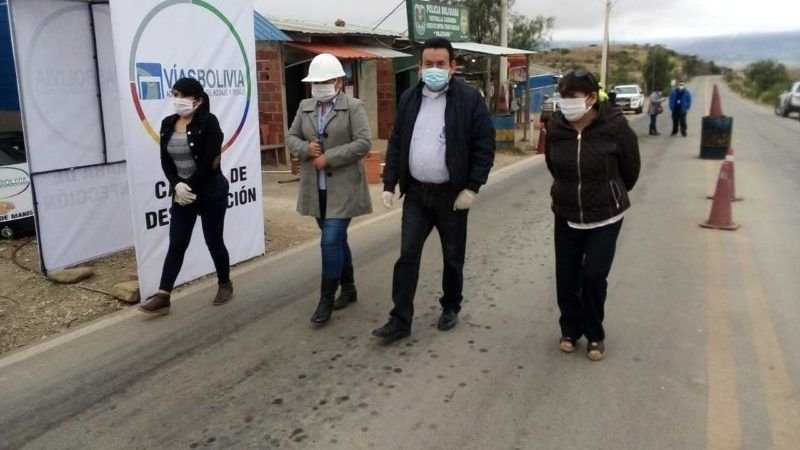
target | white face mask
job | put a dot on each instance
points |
(574, 108)
(184, 107)
(323, 92)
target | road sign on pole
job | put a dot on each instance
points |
(429, 18)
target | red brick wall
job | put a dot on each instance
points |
(386, 102)
(269, 71)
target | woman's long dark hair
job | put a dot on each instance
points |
(192, 88)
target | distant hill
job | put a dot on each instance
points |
(625, 63)
(734, 51)
(739, 51)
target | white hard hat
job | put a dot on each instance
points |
(324, 67)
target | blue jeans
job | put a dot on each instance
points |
(335, 250)
(211, 205)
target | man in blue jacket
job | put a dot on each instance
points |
(680, 100)
(440, 153)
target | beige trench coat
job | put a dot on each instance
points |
(346, 140)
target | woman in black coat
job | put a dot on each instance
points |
(191, 143)
(593, 156)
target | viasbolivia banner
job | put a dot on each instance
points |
(156, 43)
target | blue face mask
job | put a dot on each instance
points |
(435, 79)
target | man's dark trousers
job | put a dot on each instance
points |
(427, 206)
(679, 119)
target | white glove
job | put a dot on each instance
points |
(387, 198)
(183, 194)
(464, 200)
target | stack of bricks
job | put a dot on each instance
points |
(269, 72)
(386, 98)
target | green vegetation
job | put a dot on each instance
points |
(659, 68)
(524, 33)
(763, 80)
(650, 66)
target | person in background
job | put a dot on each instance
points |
(612, 96)
(654, 110)
(330, 135)
(593, 156)
(191, 150)
(680, 101)
(440, 153)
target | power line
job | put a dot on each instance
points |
(402, 2)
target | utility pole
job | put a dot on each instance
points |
(504, 43)
(604, 61)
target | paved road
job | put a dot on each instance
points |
(702, 343)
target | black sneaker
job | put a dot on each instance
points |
(393, 330)
(447, 321)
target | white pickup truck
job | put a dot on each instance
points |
(629, 97)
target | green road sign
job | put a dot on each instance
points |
(429, 18)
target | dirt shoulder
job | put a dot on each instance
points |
(33, 308)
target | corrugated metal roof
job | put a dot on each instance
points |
(317, 28)
(346, 51)
(266, 31)
(486, 49)
(384, 53)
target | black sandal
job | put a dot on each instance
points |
(596, 351)
(566, 344)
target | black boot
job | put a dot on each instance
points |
(325, 307)
(348, 293)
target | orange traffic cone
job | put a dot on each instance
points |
(716, 104)
(720, 217)
(542, 136)
(729, 157)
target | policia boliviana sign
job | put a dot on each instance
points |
(429, 18)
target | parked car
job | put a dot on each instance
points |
(16, 201)
(629, 97)
(789, 101)
(550, 105)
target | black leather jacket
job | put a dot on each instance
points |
(205, 141)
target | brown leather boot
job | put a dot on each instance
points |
(158, 304)
(224, 293)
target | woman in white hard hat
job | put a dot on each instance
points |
(330, 136)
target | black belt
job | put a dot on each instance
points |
(446, 186)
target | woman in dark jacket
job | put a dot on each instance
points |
(191, 143)
(593, 156)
